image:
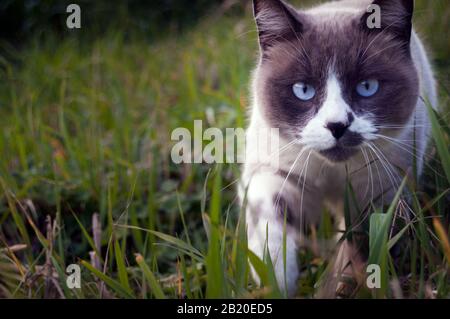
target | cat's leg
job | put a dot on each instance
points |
(273, 206)
(374, 186)
(265, 219)
(347, 268)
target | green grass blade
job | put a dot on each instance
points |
(151, 279)
(215, 281)
(239, 255)
(441, 143)
(378, 240)
(171, 240)
(260, 268)
(113, 284)
(121, 267)
(87, 236)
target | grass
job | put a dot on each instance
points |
(86, 175)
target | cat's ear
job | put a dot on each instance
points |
(276, 21)
(396, 18)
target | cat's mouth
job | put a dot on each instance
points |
(339, 153)
(344, 148)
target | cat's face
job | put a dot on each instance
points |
(329, 81)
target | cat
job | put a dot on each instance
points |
(348, 101)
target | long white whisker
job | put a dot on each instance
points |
(276, 152)
(286, 178)
(375, 38)
(389, 166)
(383, 164)
(379, 175)
(303, 191)
(403, 147)
(380, 51)
(366, 162)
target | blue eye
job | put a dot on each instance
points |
(303, 91)
(367, 88)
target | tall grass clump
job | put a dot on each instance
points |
(86, 176)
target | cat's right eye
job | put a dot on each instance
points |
(367, 88)
(303, 91)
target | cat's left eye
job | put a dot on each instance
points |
(303, 91)
(367, 88)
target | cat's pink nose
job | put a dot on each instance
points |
(337, 129)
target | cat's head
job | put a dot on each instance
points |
(328, 80)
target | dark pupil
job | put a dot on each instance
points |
(305, 89)
(367, 85)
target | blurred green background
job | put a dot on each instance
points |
(22, 19)
(86, 117)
